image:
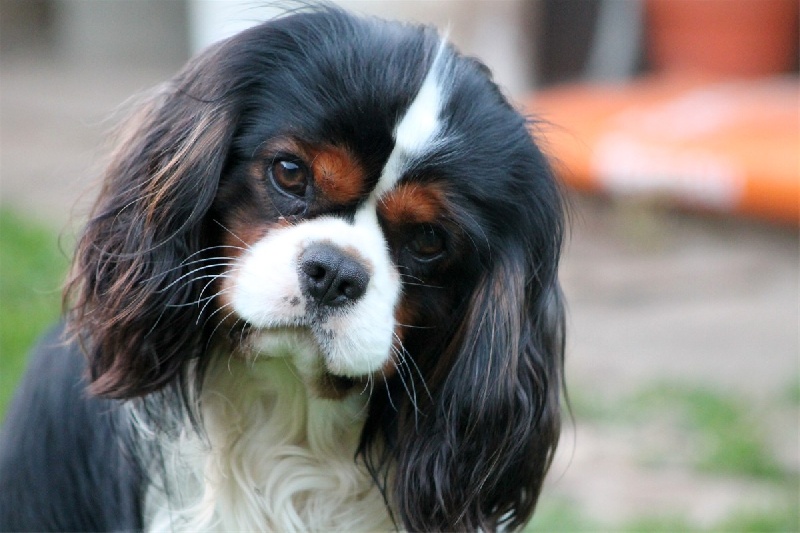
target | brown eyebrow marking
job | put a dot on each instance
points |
(413, 203)
(338, 175)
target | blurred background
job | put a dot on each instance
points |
(675, 127)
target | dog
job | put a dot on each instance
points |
(318, 291)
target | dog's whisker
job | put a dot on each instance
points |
(412, 326)
(217, 310)
(410, 391)
(242, 333)
(416, 281)
(292, 370)
(191, 274)
(200, 296)
(214, 277)
(366, 385)
(407, 275)
(469, 234)
(214, 331)
(226, 274)
(221, 259)
(208, 249)
(246, 244)
(388, 392)
(211, 299)
(424, 285)
(193, 303)
(234, 325)
(409, 361)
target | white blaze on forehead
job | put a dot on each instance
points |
(418, 129)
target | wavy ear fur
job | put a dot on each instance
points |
(127, 288)
(478, 460)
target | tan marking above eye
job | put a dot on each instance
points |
(337, 173)
(412, 203)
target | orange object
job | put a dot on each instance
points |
(722, 37)
(728, 146)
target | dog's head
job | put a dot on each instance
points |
(355, 196)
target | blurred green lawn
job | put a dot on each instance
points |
(31, 273)
(32, 269)
(725, 438)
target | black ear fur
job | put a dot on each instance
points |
(478, 459)
(127, 291)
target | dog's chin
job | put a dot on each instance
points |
(297, 346)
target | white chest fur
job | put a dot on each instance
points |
(275, 460)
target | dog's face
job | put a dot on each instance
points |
(341, 225)
(357, 197)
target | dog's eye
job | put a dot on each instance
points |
(426, 243)
(290, 176)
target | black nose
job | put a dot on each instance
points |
(331, 277)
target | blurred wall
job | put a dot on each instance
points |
(143, 30)
(26, 25)
(526, 43)
(148, 32)
(500, 32)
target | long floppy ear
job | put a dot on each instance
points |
(478, 460)
(128, 288)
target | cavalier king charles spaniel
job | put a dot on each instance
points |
(318, 291)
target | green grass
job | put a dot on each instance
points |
(31, 272)
(715, 432)
(779, 520)
(786, 519)
(728, 434)
(723, 433)
(559, 516)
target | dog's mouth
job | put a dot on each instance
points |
(300, 348)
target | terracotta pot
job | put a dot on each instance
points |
(722, 37)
